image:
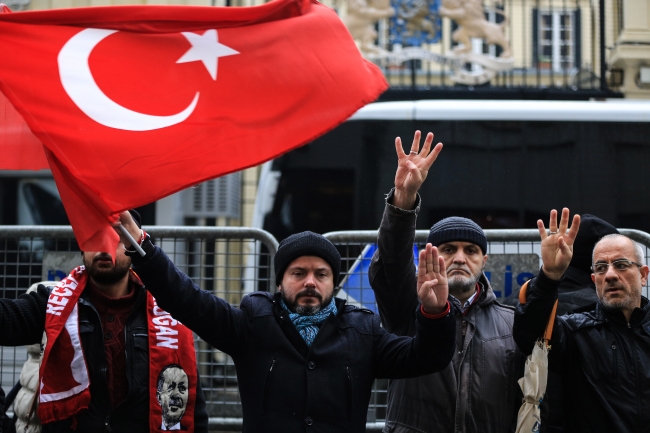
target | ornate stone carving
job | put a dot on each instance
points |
(470, 17)
(361, 19)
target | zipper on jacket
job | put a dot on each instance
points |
(266, 385)
(614, 359)
(349, 393)
(107, 424)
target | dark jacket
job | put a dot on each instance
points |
(576, 290)
(604, 361)
(22, 322)
(286, 386)
(478, 391)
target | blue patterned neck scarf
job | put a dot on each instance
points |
(308, 326)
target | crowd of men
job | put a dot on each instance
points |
(118, 352)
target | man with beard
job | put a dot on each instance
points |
(477, 391)
(602, 351)
(172, 393)
(96, 363)
(305, 360)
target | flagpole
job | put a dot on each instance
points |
(127, 235)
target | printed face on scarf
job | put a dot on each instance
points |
(619, 289)
(172, 393)
(464, 262)
(307, 285)
(101, 269)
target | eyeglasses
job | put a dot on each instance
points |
(620, 265)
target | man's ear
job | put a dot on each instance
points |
(644, 274)
(158, 398)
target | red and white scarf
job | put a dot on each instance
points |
(64, 380)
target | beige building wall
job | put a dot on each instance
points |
(631, 50)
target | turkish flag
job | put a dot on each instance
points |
(133, 103)
(21, 150)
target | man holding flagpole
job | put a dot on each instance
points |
(305, 361)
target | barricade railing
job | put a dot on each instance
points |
(513, 258)
(228, 261)
(234, 261)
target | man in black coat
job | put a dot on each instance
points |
(576, 290)
(305, 361)
(601, 351)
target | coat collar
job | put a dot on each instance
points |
(640, 316)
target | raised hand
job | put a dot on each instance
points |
(557, 245)
(433, 289)
(412, 169)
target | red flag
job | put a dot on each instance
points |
(21, 150)
(134, 103)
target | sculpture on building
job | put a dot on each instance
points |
(415, 28)
(470, 17)
(417, 18)
(361, 19)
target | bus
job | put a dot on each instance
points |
(504, 164)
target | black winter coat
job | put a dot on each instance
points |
(604, 361)
(286, 386)
(22, 322)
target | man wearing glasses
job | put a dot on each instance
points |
(602, 350)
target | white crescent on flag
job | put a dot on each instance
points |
(78, 82)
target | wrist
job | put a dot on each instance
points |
(139, 240)
(441, 312)
(552, 275)
(404, 199)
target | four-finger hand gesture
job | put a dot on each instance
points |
(432, 281)
(557, 245)
(412, 169)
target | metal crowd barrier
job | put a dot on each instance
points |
(233, 261)
(228, 261)
(514, 257)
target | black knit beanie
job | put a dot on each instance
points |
(457, 229)
(306, 244)
(591, 230)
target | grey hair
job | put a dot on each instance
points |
(638, 248)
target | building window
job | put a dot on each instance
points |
(556, 40)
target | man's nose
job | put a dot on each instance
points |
(459, 257)
(611, 274)
(311, 279)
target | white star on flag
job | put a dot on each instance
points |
(207, 49)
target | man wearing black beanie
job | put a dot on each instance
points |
(478, 391)
(305, 360)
